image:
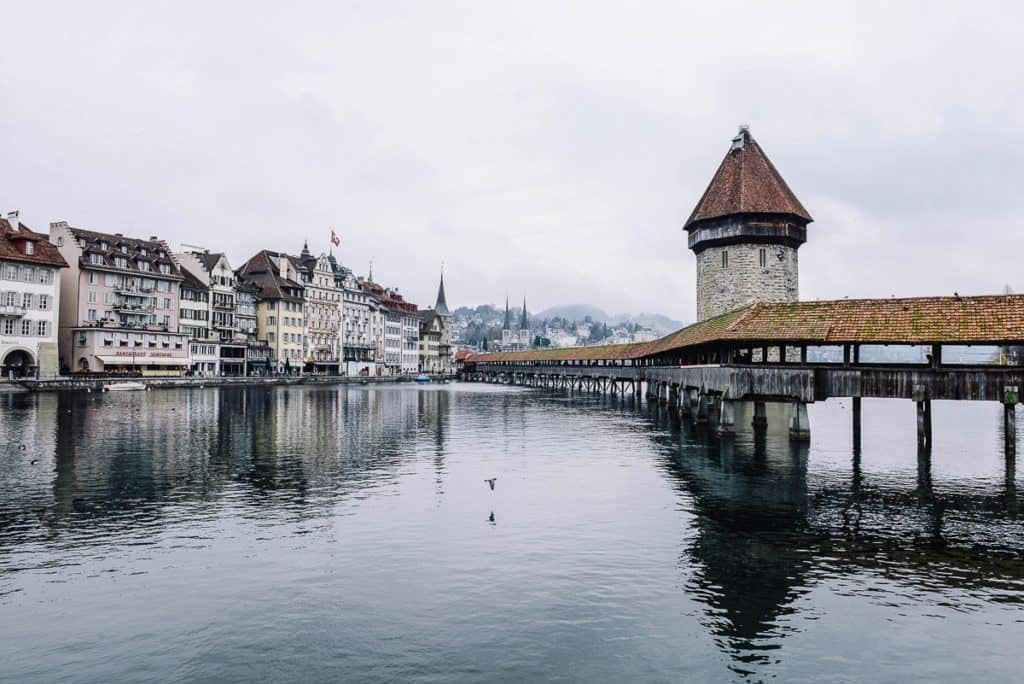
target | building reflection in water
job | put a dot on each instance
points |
(766, 534)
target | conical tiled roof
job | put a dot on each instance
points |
(746, 183)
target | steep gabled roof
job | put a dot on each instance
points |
(746, 183)
(44, 253)
(263, 272)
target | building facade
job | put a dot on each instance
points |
(29, 300)
(325, 299)
(280, 312)
(358, 344)
(745, 232)
(119, 304)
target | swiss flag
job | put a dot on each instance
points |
(334, 238)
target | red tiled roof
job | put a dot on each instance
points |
(45, 252)
(746, 183)
(991, 319)
(133, 252)
(262, 270)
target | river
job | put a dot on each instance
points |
(348, 534)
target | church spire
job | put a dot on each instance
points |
(442, 305)
(508, 316)
(305, 250)
(524, 322)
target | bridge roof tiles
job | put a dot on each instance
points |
(995, 319)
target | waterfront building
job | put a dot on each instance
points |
(119, 304)
(324, 302)
(431, 329)
(194, 321)
(214, 269)
(745, 232)
(436, 332)
(358, 345)
(29, 300)
(280, 310)
(257, 352)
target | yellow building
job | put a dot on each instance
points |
(281, 313)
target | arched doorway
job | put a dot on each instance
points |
(18, 363)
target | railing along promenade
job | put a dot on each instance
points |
(771, 353)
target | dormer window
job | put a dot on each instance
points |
(120, 262)
(165, 268)
(124, 249)
(143, 265)
(142, 251)
(30, 247)
(103, 245)
(95, 258)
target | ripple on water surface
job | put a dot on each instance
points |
(296, 534)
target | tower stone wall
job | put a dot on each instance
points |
(740, 279)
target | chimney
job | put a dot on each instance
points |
(12, 218)
(153, 238)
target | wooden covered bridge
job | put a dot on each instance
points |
(921, 349)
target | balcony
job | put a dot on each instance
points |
(135, 291)
(124, 307)
(12, 310)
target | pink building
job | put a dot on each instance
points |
(119, 302)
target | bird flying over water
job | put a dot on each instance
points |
(491, 482)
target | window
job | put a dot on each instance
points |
(167, 303)
(108, 342)
(763, 257)
(143, 265)
(26, 300)
(11, 272)
(725, 259)
(92, 296)
(90, 315)
(29, 275)
(270, 337)
(92, 278)
(165, 268)
(120, 262)
(26, 327)
(95, 259)
(30, 247)
(8, 326)
(45, 276)
(44, 302)
(60, 240)
(41, 328)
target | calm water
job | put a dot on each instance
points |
(305, 534)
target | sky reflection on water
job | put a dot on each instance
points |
(326, 533)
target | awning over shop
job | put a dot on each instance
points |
(142, 361)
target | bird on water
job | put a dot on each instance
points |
(491, 482)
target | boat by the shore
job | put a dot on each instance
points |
(422, 378)
(125, 387)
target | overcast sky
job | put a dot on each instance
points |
(547, 149)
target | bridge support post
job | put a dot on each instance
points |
(673, 395)
(760, 414)
(799, 423)
(703, 405)
(727, 417)
(687, 400)
(924, 418)
(856, 425)
(1011, 397)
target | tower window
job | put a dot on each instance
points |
(763, 257)
(725, 259)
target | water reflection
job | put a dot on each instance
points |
(754, 540)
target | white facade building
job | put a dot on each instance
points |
(29, 300)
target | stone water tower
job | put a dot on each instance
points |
(746, 230)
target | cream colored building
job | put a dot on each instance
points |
(280, 314)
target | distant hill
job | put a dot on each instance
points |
(573, 312)
(659, 323)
